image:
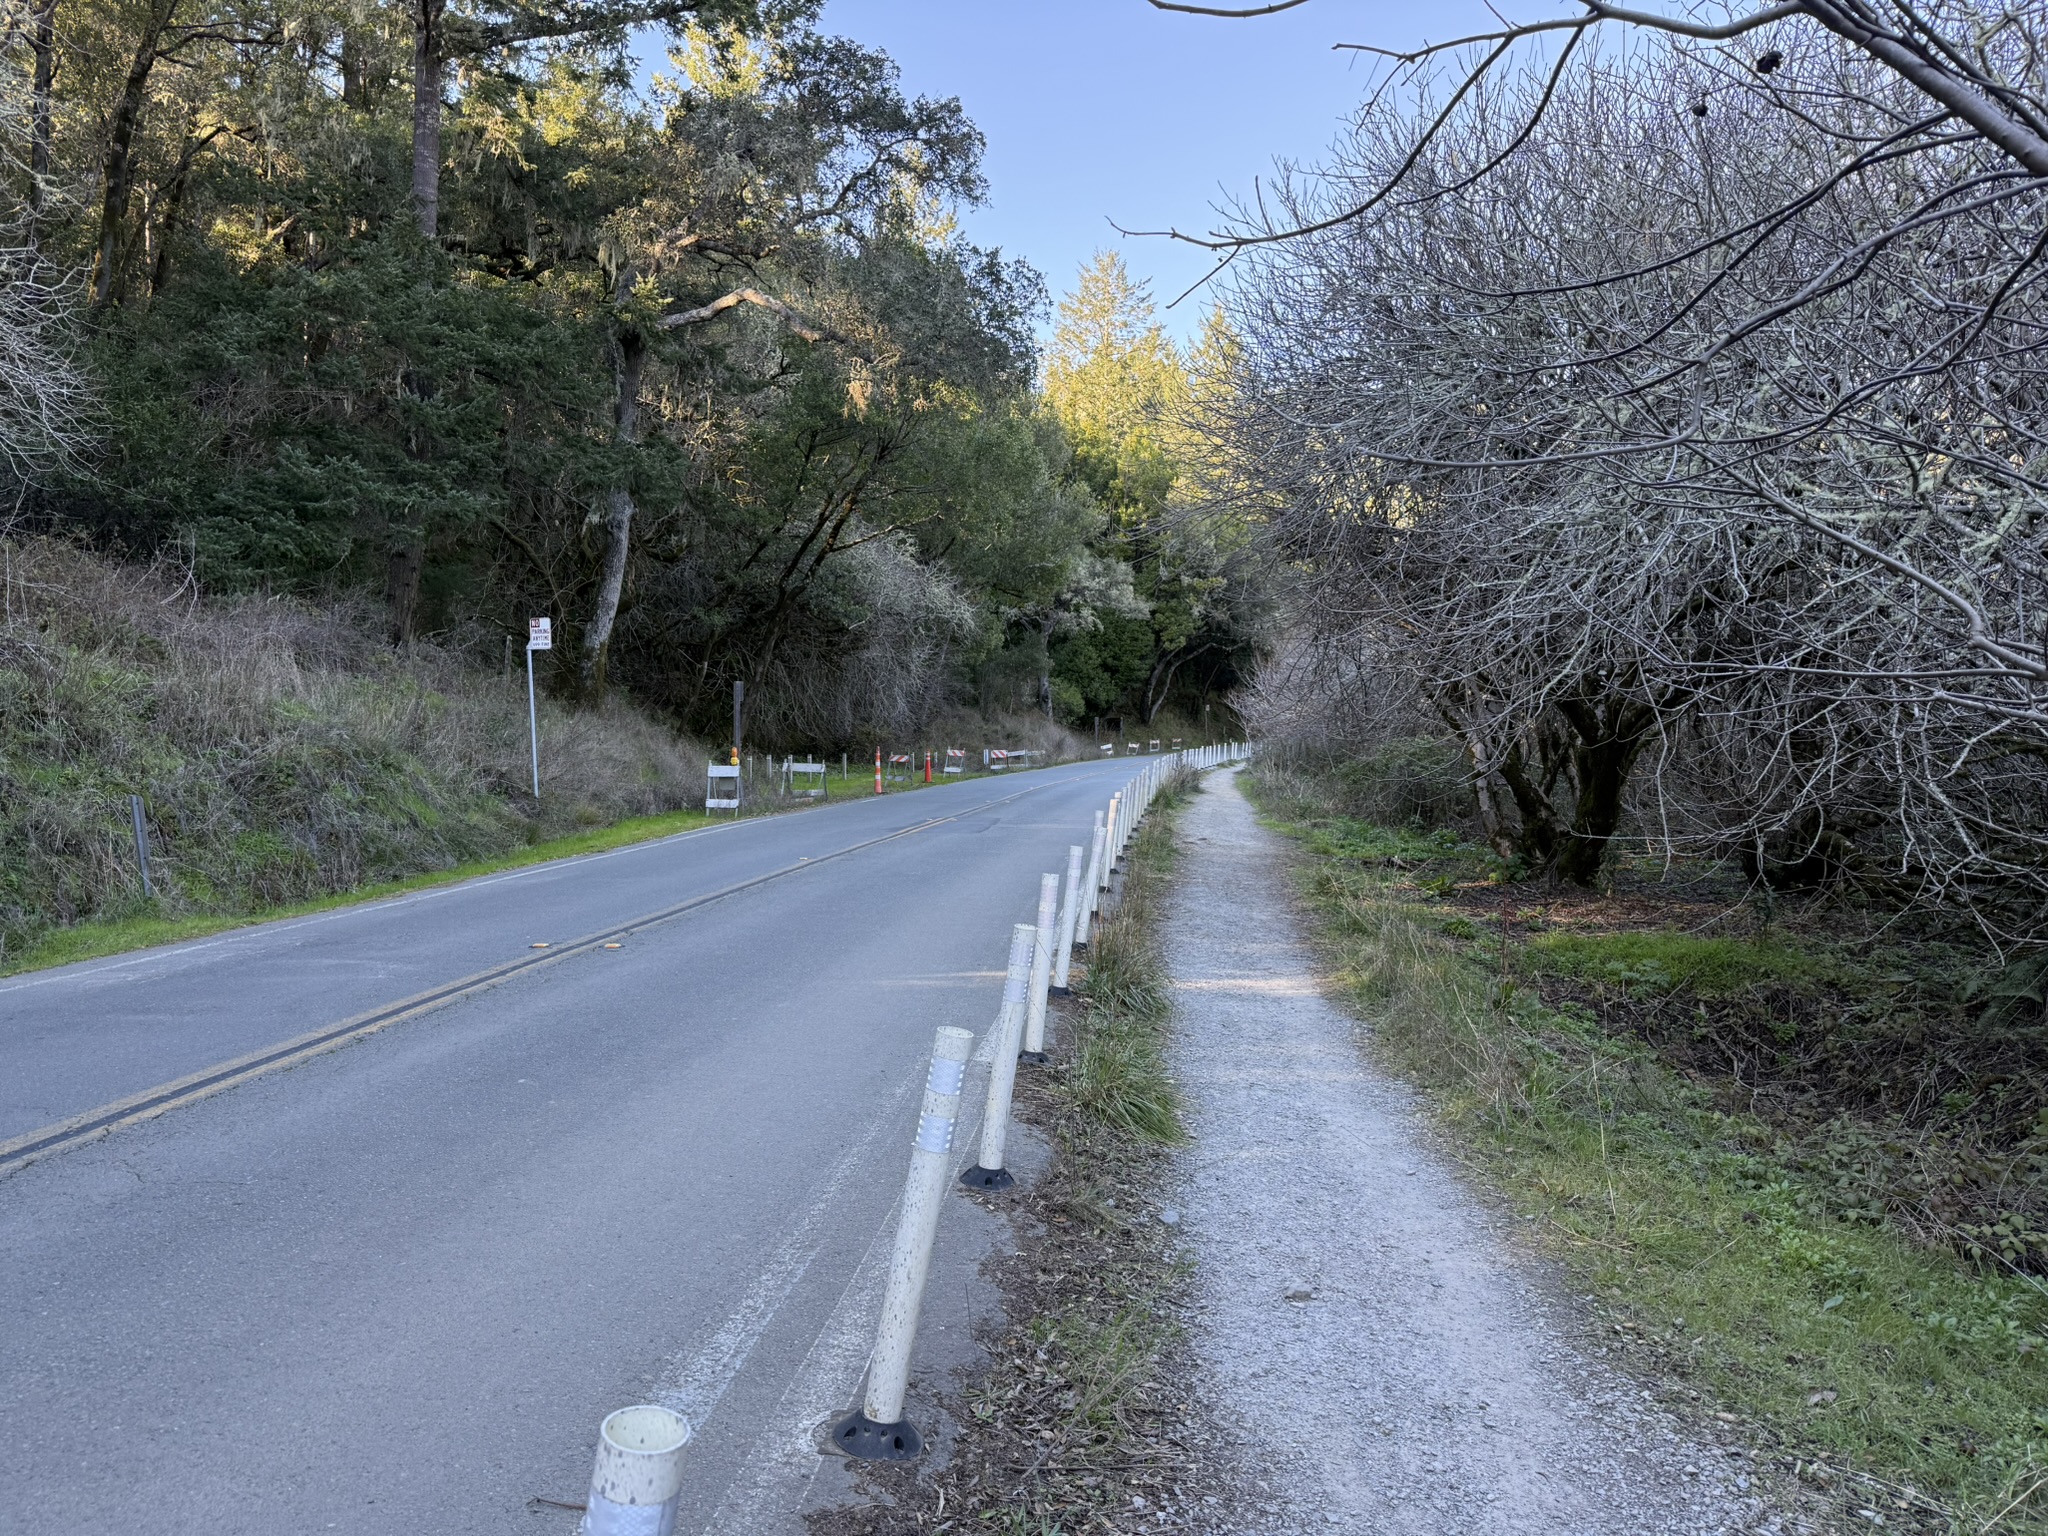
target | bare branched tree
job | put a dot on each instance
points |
(44, 398)
(1636, 433)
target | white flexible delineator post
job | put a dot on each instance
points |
(1089, 886)
(1041, 967)
(638, 1479)
(879, 1432)
(1070, 915)
(989, 1172)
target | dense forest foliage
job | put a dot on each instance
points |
(440, 305)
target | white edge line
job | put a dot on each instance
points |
(89, 968)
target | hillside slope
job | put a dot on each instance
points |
(283, 750)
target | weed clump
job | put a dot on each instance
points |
(1118, 1075)
(1666, 962)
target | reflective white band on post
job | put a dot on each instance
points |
(910, 1261)
(1002, 1077)
(1041, 962)
(1070, 915)
(639, 1473)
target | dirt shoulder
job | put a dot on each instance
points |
(1395, 1354)
(1754, 1141)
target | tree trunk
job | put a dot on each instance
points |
(1492, 824)
(41, 114)
(1537, 837)
(174, 203)
(355, 80)
(402, 578)
(1610, 740)
(611, 585)
(1156, 685)
(1045, 671)
(629, 361)
(402, 587)
(428, 66)
(118, 170)
(1159, 686)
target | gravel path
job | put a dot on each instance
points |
(1421, 1380)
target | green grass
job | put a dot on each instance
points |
(144, 925)
(1118, 1076)
(94, 940)
(1366, 843)
(1668, 962)
(1713, 1261)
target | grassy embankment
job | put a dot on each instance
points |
(289, 761)
(1762, 1152)
(146, 922)
(287, 758)
(1083, 1406)
(98, 937)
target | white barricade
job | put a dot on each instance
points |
(730, 773)
(792, 770)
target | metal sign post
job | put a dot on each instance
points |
(540, 636)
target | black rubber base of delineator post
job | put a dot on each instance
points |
(979, 1177)
(1059, 991)
(863, 1439)
(1036, 1058)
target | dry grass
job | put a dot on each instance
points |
(284, 751)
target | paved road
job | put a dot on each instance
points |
(393, 1287)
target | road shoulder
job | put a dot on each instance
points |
(1395, 1356)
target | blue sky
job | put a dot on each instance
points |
(1101, 110)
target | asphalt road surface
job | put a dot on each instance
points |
(392, 1286)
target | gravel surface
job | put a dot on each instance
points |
(1366, 1324)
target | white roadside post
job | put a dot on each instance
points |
(540, 636)
(638, 1478)
(1085, 928)
(1070, 916)
(877, 1430)
(1041, 967)
(988, 1171)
